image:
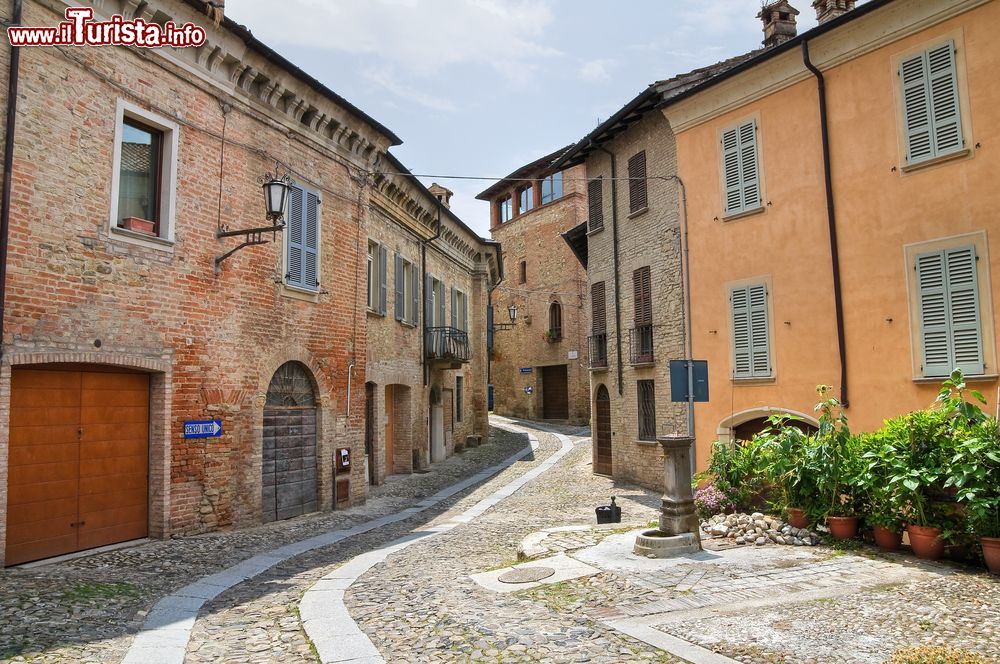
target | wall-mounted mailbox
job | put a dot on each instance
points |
(343, 459)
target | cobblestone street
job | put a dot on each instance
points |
(421, 603)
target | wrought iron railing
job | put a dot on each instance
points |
(598, 345)
(448, 343)
(641, 344)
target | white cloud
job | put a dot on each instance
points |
(595, 70)
(384, 78)
(419, 37)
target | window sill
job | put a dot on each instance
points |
(597, 369)
(647, 443)
(299, 293)
(142, 239)
(406, 323)
(645, 364)
(372, 312)
(595, 231)
(753, 381)
(638, 213)
(909, 168)
(746, 213)
(936, 380)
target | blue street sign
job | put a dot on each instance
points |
(526, 370)
(202, 428)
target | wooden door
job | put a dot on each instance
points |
(78, 461)
(370, 431)
(602, 432)
(390, 431)
(288, 466)
(555, 393)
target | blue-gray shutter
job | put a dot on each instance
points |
(294, 243)
(759, 342)
(741, 171)
(465, 313)
(930, 103)
(454, 307)
(310, 244)
(383, 285)
(439, 297)
(733, 195)
(400, 304)
(950, 325)
(414, 294)
(428, 301)
(742, 348)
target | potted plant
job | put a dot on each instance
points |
(139, 225)
(881, 505)
(789, 468)
(552, 336)
(837, 466)
(975, 472)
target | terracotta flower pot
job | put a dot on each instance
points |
(797, 517)
(991, 553)
(887, 540)
(138, 225)
(842, 527)
(926, 542)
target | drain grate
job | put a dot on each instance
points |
(526, 575)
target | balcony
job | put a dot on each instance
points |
(640, 341)
(598, 345)
(447, 347)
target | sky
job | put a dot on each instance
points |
(482, 87)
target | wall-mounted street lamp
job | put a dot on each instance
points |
(275, 189)
(512, 312)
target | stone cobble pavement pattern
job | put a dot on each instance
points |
(86, 609)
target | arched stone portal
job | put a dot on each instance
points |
(289, 479)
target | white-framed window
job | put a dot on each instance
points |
(741, 190)
(144, 177)
(552, 187)
(434, 302)
(378, 268)
(505, 209)
(459, 310)
(751, 331)
(407, 295)
(302, 239)
(931, 106)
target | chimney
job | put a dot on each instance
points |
(827, 10)
(779, 22)
(442, 194)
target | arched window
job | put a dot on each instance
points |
(555, 321)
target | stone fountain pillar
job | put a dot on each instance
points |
(678, 531)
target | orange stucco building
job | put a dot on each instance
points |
(912, 116)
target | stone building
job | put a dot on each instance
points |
(127, 315)
(538, 365)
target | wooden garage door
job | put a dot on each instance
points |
(78, 465)
(555, 393)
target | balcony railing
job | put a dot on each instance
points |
(448, 344)
(598, 345)
(641, 344)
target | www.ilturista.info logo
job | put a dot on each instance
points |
(80, 30)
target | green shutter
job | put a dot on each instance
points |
(739, 300)
(950, 324)
(733, 195)
(310, 245)
(293, 257)
(400, 304)
(749, 175)
(931, 112)
(383, 286)
(759, 343)
(934, 327)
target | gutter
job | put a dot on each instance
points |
(614, 242)
(831, 220)
(423, 291)
(8, 166)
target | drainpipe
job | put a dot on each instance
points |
(8, 165)
(423, 292)
(831, 221)
(489, 302)
(350, 376)
(614, 242)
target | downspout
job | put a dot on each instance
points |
(831, 221)
(423, 292)
(614, 243)
(489, 302)
(8, 166)
(350, 376)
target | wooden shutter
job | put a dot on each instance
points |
(595, 204)
(383, 270)
(637, 182)
(400, 304)
(428, 301)
(741, 172)
(597, 308)
(930, 103)
(740, 304)
(733, 195)
(465, 313)
(950, 324)
(294, 243)
(414, 295)
(454, 307)
(751, 343)
(642, 296)
(749, 176)
(310, 245)
(439, 296)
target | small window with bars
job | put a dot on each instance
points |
(646, 406)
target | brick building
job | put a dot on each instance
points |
(538, 365)
(121, 323)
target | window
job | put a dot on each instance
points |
(377, 273)
(505, 209)
(931, 113)
(302, 239)
(751, 344)
(459, 310)
(647, 409)
(144, 177)
(552, 188)
(642, 334)
(406, 291)
(950, 324)
(595, 204)
(555, 321)
(459, 397)
(637, 183)
(434, 307)
(525, 199)
(741, 177)
(522, 275)
(598, 341)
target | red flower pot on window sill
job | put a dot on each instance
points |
(139, 225)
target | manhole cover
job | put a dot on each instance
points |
(526, 575)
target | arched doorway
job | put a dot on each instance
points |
(602, 432)
(747, 430)
(288, 482)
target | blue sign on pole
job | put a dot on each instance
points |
(202, 428)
